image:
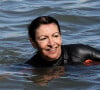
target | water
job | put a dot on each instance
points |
(80, 23)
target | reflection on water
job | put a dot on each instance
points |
(24, 73)
(23, 76)
(45, 75)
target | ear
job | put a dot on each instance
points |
(33, 43)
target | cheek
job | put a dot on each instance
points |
(59, 41)
(41, 45)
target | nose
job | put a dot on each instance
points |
(51, 42)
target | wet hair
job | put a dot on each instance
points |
(40, 21)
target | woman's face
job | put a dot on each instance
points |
(48, 41)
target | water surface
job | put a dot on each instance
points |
(80, 23)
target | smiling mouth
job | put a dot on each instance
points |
(52, 50)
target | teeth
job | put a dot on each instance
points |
(51, 49)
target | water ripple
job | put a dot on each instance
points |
(80, 23)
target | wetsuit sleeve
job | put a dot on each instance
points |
(78, 53)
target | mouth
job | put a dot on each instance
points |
(52, 50)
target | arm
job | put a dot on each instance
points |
(95, 54)
(78, 53)
(89, 52)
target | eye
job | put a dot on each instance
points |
(56, 35)
(42, 38)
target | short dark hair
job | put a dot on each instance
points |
(39, 21)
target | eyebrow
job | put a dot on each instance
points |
(56, 32)
(53, 34)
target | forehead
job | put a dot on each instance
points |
(47, 29)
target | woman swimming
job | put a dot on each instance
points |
(45, 35)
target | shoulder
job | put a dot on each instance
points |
(76, 46)
(33, 59)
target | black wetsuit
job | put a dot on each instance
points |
(71, 54)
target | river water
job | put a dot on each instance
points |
(80, 23)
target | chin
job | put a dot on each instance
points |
(52, 58)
